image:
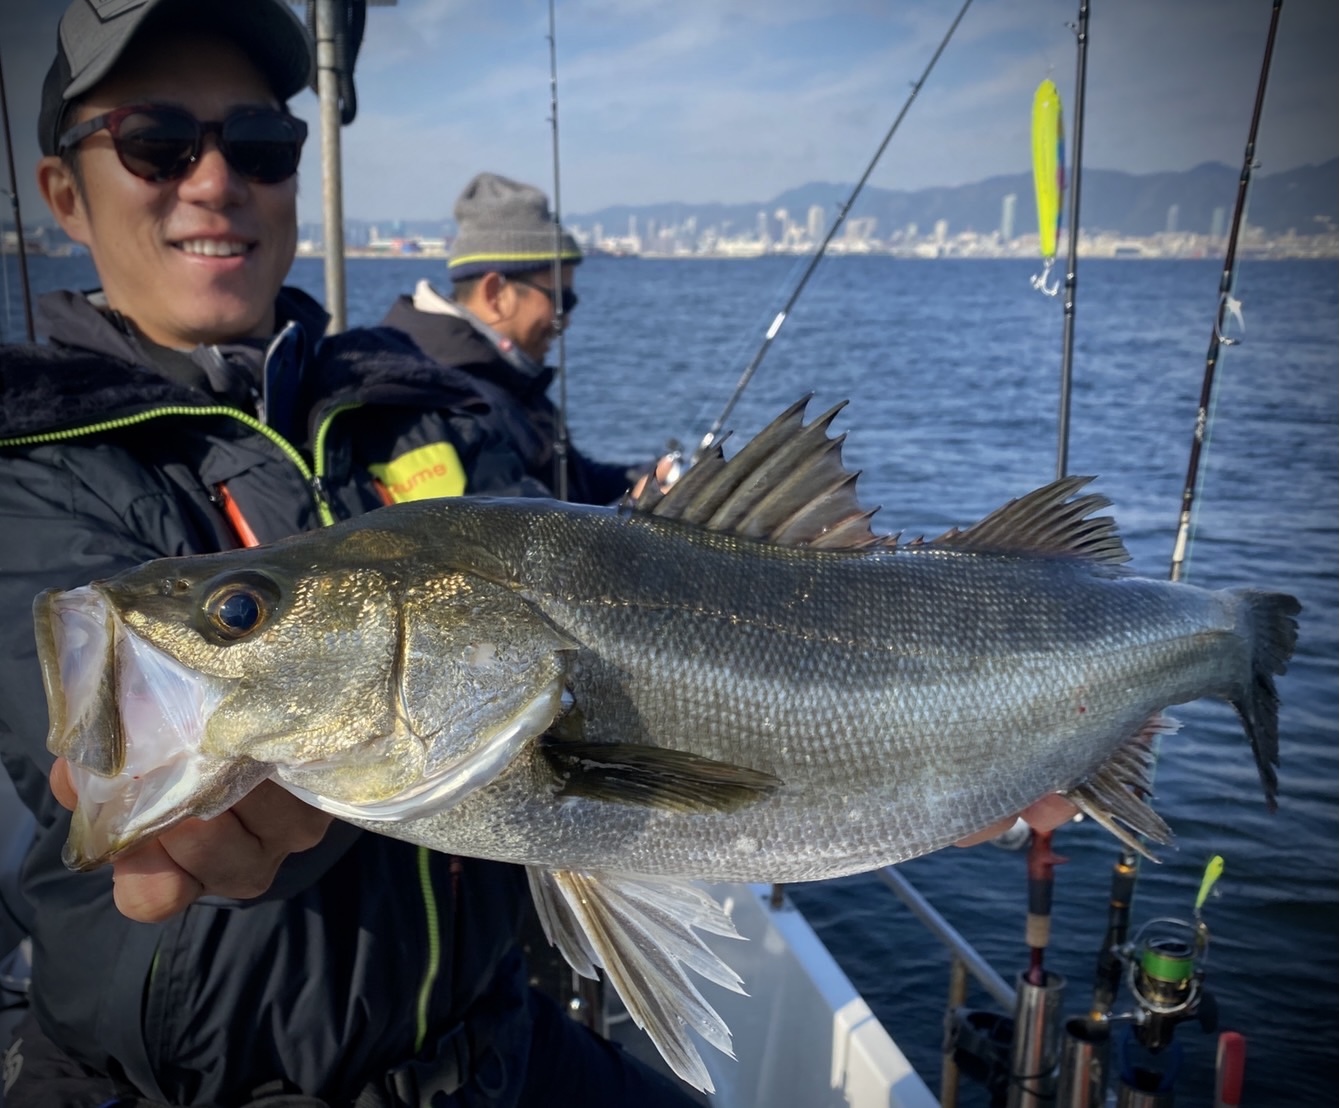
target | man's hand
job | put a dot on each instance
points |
(235, 854)
(1046, 814)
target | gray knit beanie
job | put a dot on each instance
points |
(504, 226)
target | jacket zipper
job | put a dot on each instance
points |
(312, 479)
(431, 911)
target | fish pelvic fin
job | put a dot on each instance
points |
(1050, 520)
(642, 932)
(675, 780)
(1271, 630)
(788, 486)
(1115, 796)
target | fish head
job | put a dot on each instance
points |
(176, 687)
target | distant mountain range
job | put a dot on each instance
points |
(1304, 200)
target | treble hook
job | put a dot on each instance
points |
(1039, 280)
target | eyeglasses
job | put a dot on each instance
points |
(570, 298)
(160, 143)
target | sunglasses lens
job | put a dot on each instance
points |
(570, 300)
(263, 146)
(156, 145)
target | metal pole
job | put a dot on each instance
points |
(560, 440)
(957, 997)
(710, 437)
(332, 182)
(1072, 264)
(18, 218)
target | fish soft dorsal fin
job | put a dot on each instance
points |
(788, 485)
(1048, 520)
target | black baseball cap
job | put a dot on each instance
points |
(95, 33)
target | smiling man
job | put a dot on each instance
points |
(191, 404)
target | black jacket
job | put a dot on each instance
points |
(111, 453)
(519, 393)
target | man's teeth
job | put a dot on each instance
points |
(214, 248)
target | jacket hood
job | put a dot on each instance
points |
(454, 340)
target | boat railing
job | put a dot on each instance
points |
(967, 963)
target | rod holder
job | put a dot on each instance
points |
(1084, 1053)
(1035, 1053)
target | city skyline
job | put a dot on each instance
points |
(726, 101)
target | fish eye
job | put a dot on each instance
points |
(239, 606)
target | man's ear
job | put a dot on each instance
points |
(491, 298)
(63, 195)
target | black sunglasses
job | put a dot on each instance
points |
(570, 298)
(160, 143)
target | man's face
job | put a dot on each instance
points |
(529, 312)
(195, 260)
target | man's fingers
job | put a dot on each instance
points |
(1049, 812)
(279, 820)
(1046, 814)
(62, 788)
(150, 887)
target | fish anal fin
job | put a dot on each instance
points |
(1053, 519)
(1114, 795)
(642, 932)
(631, 773)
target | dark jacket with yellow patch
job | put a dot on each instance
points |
(113, 452)
(519, 394)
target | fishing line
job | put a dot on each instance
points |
(714, 430)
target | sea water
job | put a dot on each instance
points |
(952, 369)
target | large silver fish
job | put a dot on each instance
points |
(737, 681)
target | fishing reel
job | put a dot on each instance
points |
(1165, 973)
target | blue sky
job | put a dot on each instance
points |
(736, 100)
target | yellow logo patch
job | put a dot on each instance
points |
(423, 473)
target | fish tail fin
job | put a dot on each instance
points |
(1270, 628)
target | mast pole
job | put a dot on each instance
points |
(332, 182)
(560, 438)
(18, 218)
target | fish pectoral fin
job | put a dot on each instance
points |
(640, 931)
(1114, 796)
(631, 773)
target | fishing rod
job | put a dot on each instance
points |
(560, 438)
(1227, 304)
(709, 439)
(1126, 869)
(18, 218)
(1072, 254)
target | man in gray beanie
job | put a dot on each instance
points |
(500, 319)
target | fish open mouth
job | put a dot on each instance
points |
(130, 720)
